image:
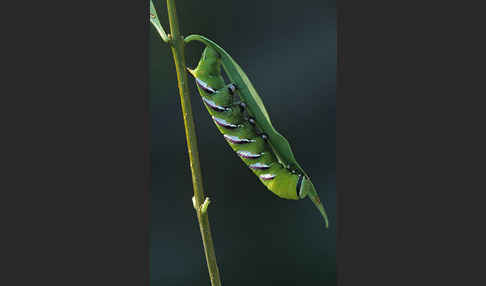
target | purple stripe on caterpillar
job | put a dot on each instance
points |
(204, 86)
(224, 123)
(213, 105)
(248, 155)
(237, 140)
(267, 177)
(259, 166)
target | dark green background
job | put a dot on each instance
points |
(288, 50)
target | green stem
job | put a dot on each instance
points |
(177, 46)
(154, 19)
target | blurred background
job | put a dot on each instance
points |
(288, 50)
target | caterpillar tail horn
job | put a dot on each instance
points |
(309, 190)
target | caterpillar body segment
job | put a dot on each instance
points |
(252, 100)
(240, 134)
(247, 128)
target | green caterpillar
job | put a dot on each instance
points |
(246, 125)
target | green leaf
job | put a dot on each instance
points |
(254, 103)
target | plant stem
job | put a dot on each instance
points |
(177, 46)
(154, 19)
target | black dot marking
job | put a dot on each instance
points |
(264, 136)
(299, 183)
(232, 88)
(242, 106)
(252, 120)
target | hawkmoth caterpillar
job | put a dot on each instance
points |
(246, 125)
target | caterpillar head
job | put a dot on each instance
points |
(210, 62)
